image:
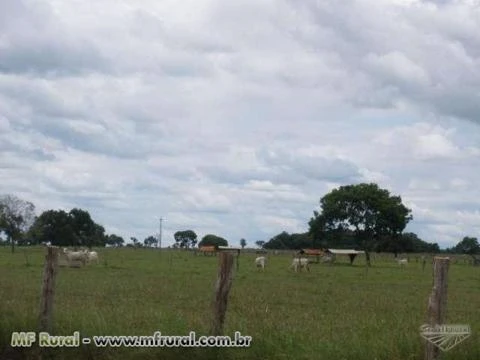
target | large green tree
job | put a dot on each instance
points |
(53, 226)
(86, 231)
(75, 228)
(16, 217)
(185, 239)
(213, 240)
(98, 237)
(366, 209)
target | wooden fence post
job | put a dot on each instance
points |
(48, 289)
(222, 289)
(437, 303)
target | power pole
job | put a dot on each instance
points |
(160, 235)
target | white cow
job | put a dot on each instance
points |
(260, 262)
(402, 262)
(92, 256)
(299, 263)
(75, 256)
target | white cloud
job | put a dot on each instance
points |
(201, 199)
(270, 223)
(398, 67)
(423, 142)
(236, 118)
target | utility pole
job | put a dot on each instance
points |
(160, 235)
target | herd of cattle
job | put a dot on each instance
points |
(82, 257)
(72, 258)
(300, 263)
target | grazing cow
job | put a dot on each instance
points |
(92, 256)
(71, 256)
(260, 262)
(299, 263)
(402, 262)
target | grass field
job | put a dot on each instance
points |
(334, 312)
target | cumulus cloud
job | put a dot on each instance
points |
(236, 118)
(31, 30)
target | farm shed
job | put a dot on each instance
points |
(352, 254)
(211, 250)
(317, 253)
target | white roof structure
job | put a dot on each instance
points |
(345, 251)
(229, 248)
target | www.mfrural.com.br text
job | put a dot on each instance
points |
(44, 339)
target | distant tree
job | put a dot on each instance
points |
(150, 241)
(302, 241)
(369, 211)
(281, 241)
(260, 243)
(16, 216)
(185, 239)
(135, 242)
(468, 245)
(412, 243)
(213, 240)
(243, 243)
(284, 240)
(433, 248)
(114, 240)
(396, 244)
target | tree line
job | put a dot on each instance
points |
(56, 227)
(187, 239)
(361, 216)
(345, 239)
(74, 228)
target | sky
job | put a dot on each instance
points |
(235, 117)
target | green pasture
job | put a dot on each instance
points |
(334, 312)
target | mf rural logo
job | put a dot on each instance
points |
(445, 337)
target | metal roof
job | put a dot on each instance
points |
(229, 248)
(345, 251)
